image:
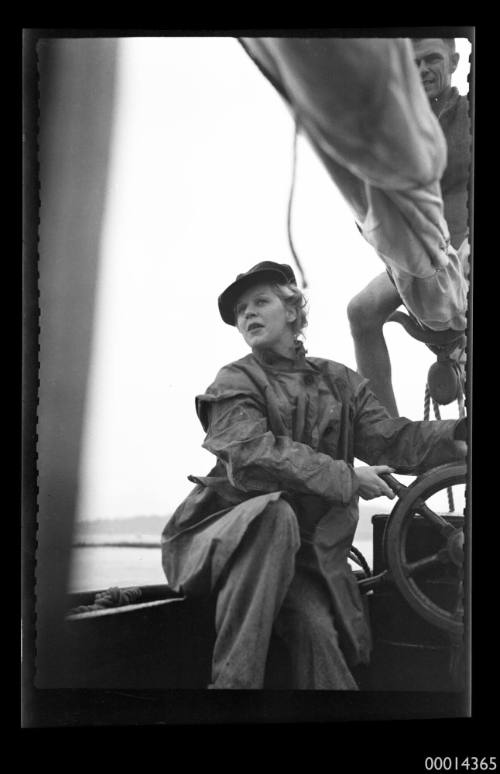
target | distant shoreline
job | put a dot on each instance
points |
(109, 534)
(145, 532)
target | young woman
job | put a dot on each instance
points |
(268, 531)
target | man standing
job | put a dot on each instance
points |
(437, 60)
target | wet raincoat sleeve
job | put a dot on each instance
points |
(409, 447)
(258, 461)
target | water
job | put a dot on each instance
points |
(96, 567)
(99, 567)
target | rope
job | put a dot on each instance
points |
(290, 201)
(427, 403)
(461, 401)
(437, 414)
(451, 501)
(435, 406)
(112, 597)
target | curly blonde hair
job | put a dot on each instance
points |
(292, 297)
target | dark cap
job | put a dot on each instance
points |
(266, 271)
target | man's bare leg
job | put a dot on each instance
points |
(367, 313)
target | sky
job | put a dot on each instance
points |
(198, 188)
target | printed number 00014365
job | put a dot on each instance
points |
(470, 763)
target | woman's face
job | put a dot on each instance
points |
(263, 320)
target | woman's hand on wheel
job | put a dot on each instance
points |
(370, 483)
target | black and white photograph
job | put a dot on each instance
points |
(246, 437)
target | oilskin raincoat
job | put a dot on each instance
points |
(291, 428)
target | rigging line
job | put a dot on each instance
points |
(451, 501)
(290, 202)
(427, 403)
(437, 414)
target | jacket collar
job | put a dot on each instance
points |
(270, 358)
(445, 101)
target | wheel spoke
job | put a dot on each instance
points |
(421, 564)
(439, 521)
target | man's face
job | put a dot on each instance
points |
(436, 63)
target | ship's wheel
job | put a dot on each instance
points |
(415, 571)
